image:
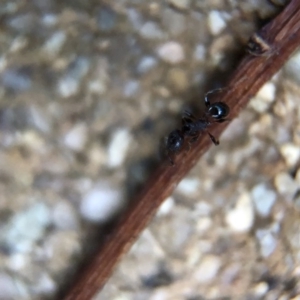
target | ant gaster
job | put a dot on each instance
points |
(192, 126)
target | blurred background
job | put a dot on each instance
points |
(88, 91)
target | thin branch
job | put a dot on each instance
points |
(269, 49)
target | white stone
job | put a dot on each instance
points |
(26, 228)
(267, 242)
(97, 86)
(101, 203)
(69, 83)
(131, 88)
(49, 19)
(261, 289)
(118, 147)
(45, 285)
(285, 185)
(241, 217)
(291, 153)
(166, 207)
(188, 186)
(200, 52)
(202, 209)
(208, 269)
(64, 216)
(293, 66)
(54, 44)
(76, 137)
(151, 30)
(171, 52)
(263, 199)
(146, 64)
(203, 224)
(9, 288)
(216, 22)
(267, 92)
(265, 96)
(68, 87)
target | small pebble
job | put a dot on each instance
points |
(178, 79)
(151, 30)
(207, 269)
(18, 44)
(261, 289)
(26, 227)
(230, 273)
(54, 44)
(241, 217)
(39, 118)
(45, 285)
(69, 84)
(171, 52)
(267, 92)
(293, 66)
(202, 209)
(17, 262)
(49, 20)
(60, 248)
(64, 216)
(200, 52)
(180, 4)
(188, 186)
(267, 242)
(291, 154)
(100, 78)
(285, 185)
(76, 138)
(118, 147)
(131, 88)
(174, 22)
(106, 18)
(216, 22)
(23, 23)
(263, 199)
(146, 64)
(11, 288)
(265, 96)
(166, 207)
(16, 79)
(101, 203)
(203, 224)
(135, 18)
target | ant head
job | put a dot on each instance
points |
(218, 110)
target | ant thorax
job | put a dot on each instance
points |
(192, 127)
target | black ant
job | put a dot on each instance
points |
(192, 126)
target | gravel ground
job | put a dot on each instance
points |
(87, 93)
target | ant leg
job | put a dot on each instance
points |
(216, 142)
(188, 116)
(194, 139)
(223, 120)
(171, 160)
(185, 120)
(206, 100)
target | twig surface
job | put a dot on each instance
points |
(279, 39)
